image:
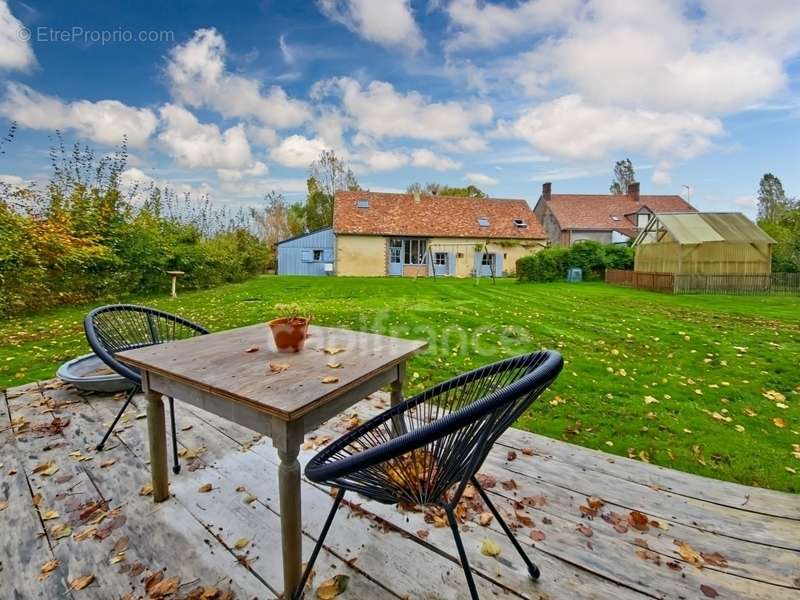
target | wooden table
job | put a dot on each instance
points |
(221, 373)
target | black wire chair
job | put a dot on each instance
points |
(118, 327)
(426, 450)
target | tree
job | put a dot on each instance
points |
(438, 189)
(623, 176)
(332, 174)
(772, 202)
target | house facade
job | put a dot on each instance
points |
(308, 254)
(605, 218)
(412, 235)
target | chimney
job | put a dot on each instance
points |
(416, 196)
(633, 191)
(546, 187)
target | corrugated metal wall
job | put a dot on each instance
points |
(301, 255)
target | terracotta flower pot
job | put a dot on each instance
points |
(289, 334)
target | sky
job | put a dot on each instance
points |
(235, 99)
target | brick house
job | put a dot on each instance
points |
(414, 234)
(605, 218)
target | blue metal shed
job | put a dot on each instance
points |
(307, 254)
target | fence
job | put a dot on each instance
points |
(698, 283)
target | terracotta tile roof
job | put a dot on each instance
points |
(439, 216)
(597, 211)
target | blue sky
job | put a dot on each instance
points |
(235, 99)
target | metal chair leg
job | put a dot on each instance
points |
(533, 570)
(298, 593)
(128, 398)
(473, 592)
(176, 465)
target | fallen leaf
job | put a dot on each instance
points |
(117, 558)
(715, 559)
(206, 487)
(333, 364)
(107, 463)
(708, 591)
(249, 499)
(332, 350)
(536, 535)
(511, 456)
(689, 554)
(423, 534)
(330, 379)
(780, 423)
(3, 505)
(584, 529)
(36, 499)
(489, 548)
(509, 485)
(485, 518)
(121, 545)
(47, 568)
(165, 587)
(241, 543)
(277, 367)
(252, 349)
(46, 468)
(81, 582)
(639, 521)
(523, 518)
(60, 530)
(650, 400)
(330, 588)
(49, 515)
(146, 489)
(527, 451)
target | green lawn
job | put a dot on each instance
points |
(704, 384)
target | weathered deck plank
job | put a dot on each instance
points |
(378, 546)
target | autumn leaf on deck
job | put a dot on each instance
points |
(708, 591)
(537, 535)
(48, 515)
(46, 468)
(146, 489)
(189, 453)
(689, 554)
(164, 588)
(332, 350)
(117, 558)
(509, 484)
(592, 506)
(252, 349)
(584, 529)
(47, 568)
(81, 582)
(528, 451)
(489, 548)
(249, 499)
(206, 487)
(330, 379)
(333, 364)
(715, 559)
(60, 530)
(241, 543)
(523, 519)
(3, 505)
(638, 520)
(277, 367)
(330, 588)
(485, 518)
(107, 463)
(511, 456)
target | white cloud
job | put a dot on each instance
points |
(389, 23)
(197, 145)
(258, 168)
(571, 128)
(266, 136)
(423, 157)
(105, 121)
(661, 173)
(649, 55)
(380, 111)
(746, 201)
(298, 151)
(15, 51)
(481, 179)
(384, 160)
(487, 24)
(198, 77)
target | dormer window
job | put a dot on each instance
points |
(483, 221)
(615, 218)
(363, 203)
(520, 223)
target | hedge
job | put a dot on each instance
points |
(552, 264)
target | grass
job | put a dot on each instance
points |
(705, 384)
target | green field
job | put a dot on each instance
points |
(706, 384)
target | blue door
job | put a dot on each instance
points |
(485, 263)
(441, 264)
(395, 257)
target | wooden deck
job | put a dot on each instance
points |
(703, 538)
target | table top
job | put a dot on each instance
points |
(243, 366)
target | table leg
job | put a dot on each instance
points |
(158, 446)
(291, 519)
(396, 397)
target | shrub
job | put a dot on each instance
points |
(551, 264)
(618, 256)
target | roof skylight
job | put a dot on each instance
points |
(363, 203)
(483, 221)
(520, 223)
